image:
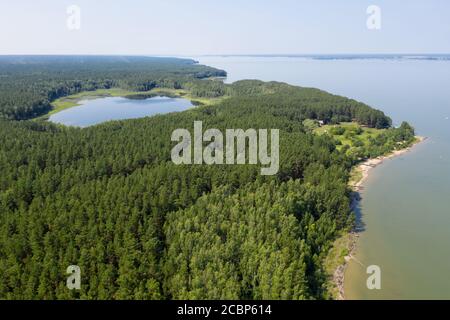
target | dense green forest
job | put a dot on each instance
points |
(29, 84)
(108, 198)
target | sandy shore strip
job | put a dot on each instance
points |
(369, 164)
(364, 169)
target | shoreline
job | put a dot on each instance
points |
(364, 168)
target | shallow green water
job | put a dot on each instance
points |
(406, 202)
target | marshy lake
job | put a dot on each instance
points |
(89, 112)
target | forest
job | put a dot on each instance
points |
(108, 198)
(29, 84)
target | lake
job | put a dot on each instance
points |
(94, 111)
(405, 204)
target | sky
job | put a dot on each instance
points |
(202, 27)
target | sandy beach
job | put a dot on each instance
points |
(365, 168)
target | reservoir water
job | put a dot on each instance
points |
(405, 203)
(94, 111)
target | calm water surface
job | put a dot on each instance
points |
(406, 201)
(95, 111)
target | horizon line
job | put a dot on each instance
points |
(229, 54)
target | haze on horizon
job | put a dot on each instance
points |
(198, 27)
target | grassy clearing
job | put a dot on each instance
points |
(186, 95)
(349, 134)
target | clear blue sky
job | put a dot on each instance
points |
(194, 27)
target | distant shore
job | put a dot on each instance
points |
(364, 169)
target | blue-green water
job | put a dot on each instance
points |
(406, 202)
(95, 111)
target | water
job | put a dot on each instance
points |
(406, 203)
(95, 111)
